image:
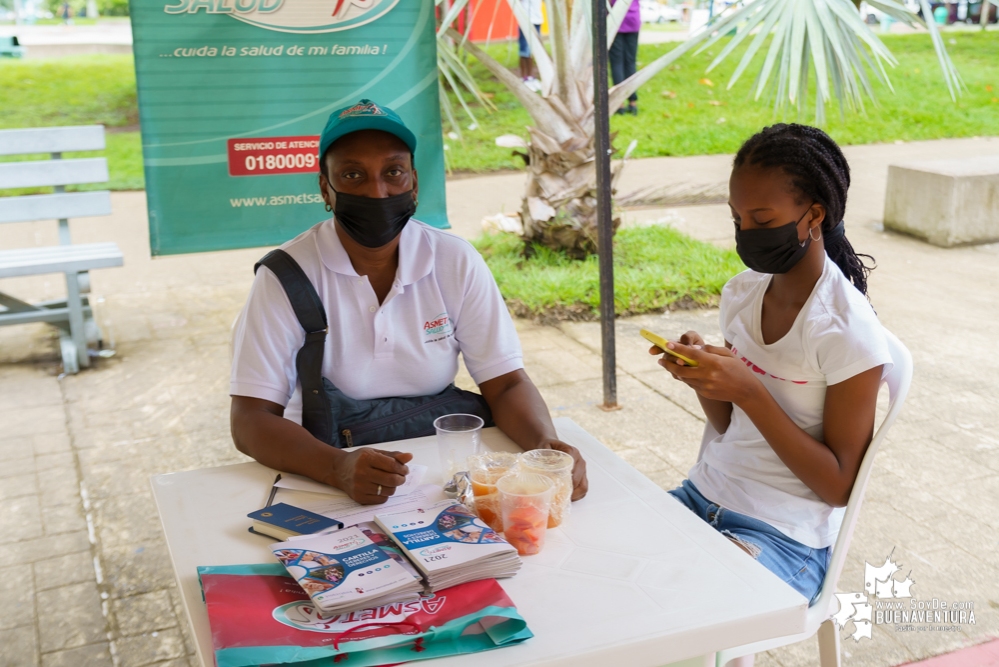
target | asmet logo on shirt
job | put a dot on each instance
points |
(439, 325)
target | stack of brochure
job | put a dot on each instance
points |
(348, 570)
(450, 544)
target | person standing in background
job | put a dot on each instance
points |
(526, 62)
(624, 52)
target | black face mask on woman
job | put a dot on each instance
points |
(771, 249)
(373, 221)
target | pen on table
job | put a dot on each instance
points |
(274, 490)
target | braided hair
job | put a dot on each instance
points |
(819, 171)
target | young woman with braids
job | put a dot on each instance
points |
(790, 399)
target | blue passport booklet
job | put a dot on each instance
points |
(282, 521)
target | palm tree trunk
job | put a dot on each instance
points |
(559, 209)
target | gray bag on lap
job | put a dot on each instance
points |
(328, 413)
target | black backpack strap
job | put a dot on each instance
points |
(308, 307)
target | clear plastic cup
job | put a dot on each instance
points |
(458, 437)
(485, 470)
(524, 501)
(557, 466)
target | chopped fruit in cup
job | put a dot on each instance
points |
(485, 470)
(487, 509)
(557, 466)
(480, 489)
(525, 529)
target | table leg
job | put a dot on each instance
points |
(829, 645)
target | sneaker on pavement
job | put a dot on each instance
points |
(532, 84)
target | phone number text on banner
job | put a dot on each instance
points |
(233, 96)
(273, 155)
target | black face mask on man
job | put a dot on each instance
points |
(771, 249)
(373, 221)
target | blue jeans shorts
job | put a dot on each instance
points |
(801, 567)
(525, 46)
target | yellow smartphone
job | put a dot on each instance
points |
(661, 343)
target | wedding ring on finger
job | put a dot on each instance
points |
(379, 491)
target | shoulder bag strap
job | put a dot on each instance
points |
(311, 315)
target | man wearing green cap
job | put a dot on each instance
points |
(402, 300)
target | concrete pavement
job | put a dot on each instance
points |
(88, 578)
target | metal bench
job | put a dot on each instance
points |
(10, 47)
(73, 316)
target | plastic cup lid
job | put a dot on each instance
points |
(524, 484)
(548, 460)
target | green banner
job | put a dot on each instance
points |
(234, 93)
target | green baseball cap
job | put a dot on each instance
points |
(365, 115)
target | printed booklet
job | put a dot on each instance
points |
(347, 570)
(449, 544)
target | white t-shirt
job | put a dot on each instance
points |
(835, 337)
(444, 301)
(534, 10)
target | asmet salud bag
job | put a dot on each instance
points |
(328, 413)
(259, 615)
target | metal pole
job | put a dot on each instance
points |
(605, 228)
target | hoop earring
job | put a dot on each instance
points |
(329, 209)
(813, 236)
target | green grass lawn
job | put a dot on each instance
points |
(703, 119)
(69, 91)
(699, 119)
(83, 90)
(655, 269)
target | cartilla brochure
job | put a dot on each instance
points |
(449, 544)
(345, 570)
(234, 93)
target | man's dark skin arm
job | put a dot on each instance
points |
(521, 413)
(260, 430)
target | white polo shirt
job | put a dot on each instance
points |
(444, 301)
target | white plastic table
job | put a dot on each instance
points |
(631, 578)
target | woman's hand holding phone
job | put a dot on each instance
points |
(718, 376)
(691, 338)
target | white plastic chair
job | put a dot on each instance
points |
(819, 615)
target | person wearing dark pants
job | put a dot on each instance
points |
(624, 53)
(526, 57)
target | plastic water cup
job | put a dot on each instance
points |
(525, 498)
(484, 470)
(458, 437)
(556, 465)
